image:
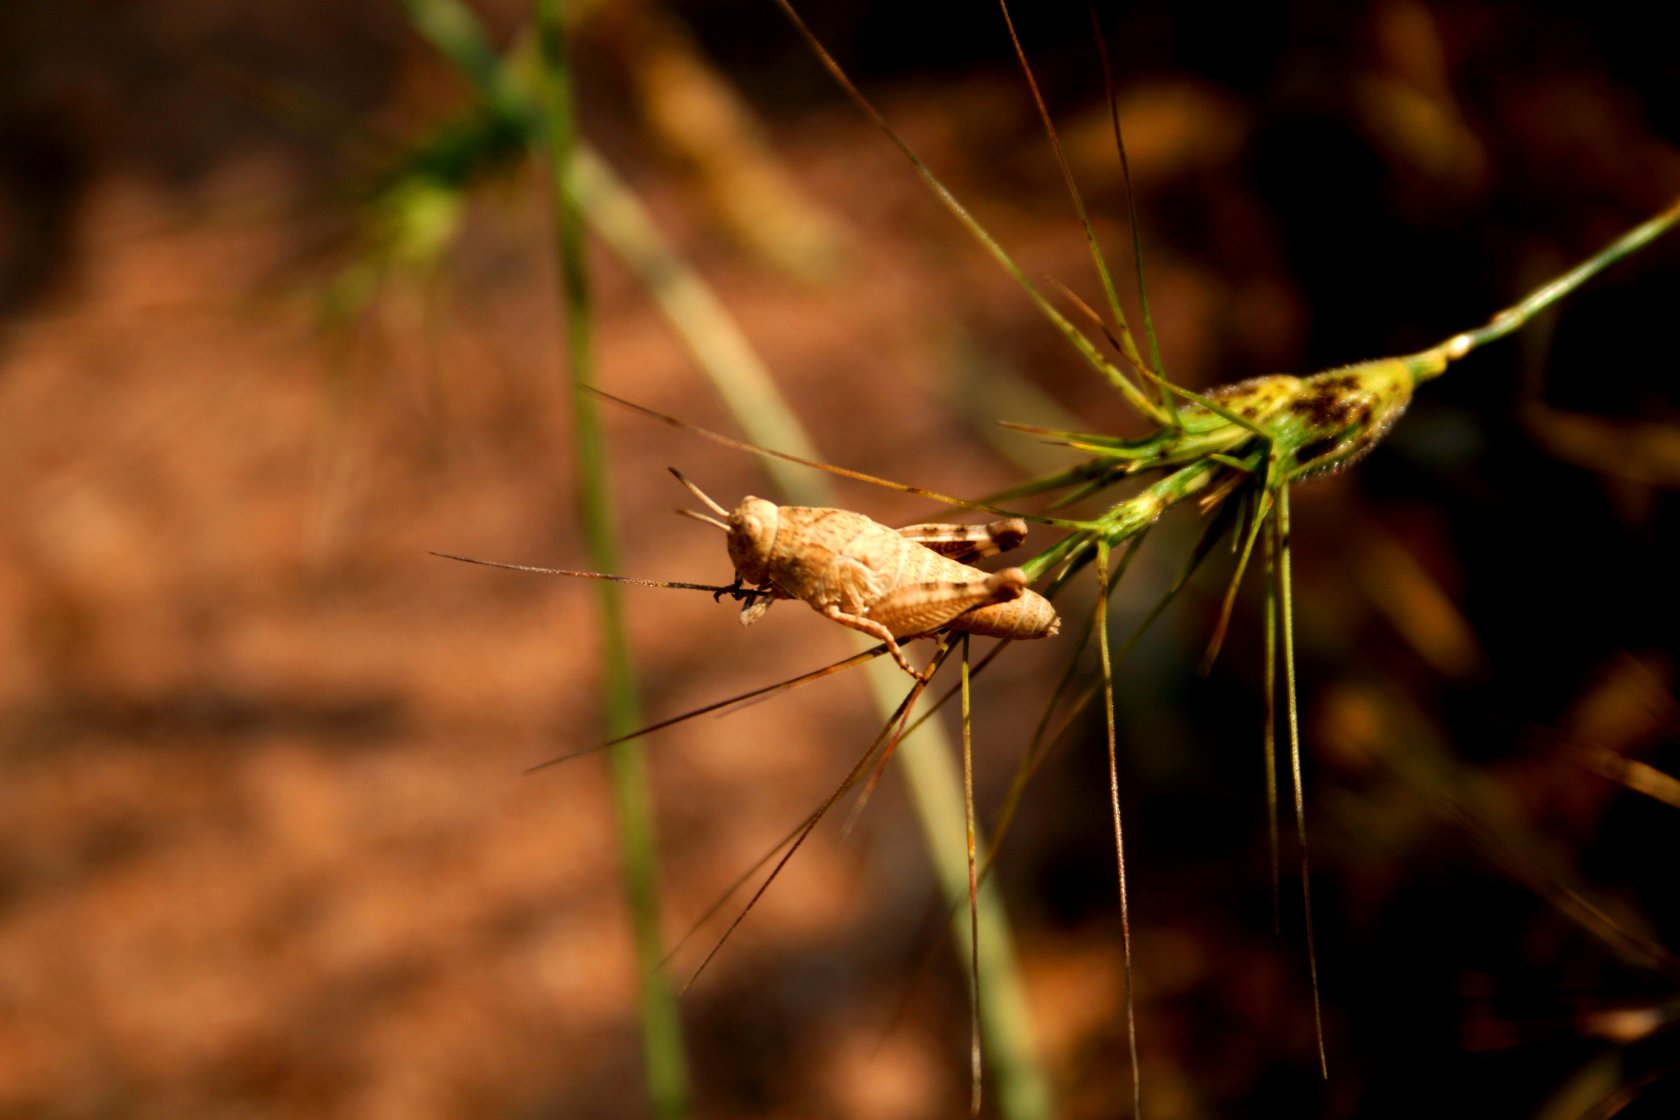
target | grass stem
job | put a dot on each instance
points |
(665, 1066)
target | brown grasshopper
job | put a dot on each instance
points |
(888, 583)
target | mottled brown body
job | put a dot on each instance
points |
(887, 583)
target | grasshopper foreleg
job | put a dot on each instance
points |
(754, 600)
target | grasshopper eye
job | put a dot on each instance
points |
(747, 528)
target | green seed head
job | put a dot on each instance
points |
(1333, 418)
(1313, 424)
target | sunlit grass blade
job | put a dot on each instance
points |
(700, 319)
(974, 1054)
(1020, 1087)
(1629, 773)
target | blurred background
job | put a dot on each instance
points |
(278, 315)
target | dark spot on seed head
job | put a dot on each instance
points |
(1315, 450)
(1335, 402)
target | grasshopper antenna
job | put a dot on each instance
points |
(704, 497)
(734, 591)
(830, 468)
(702, 517)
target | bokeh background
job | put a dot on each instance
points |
(266, 848)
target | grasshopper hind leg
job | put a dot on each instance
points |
(923, 608)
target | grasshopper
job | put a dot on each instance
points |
(891, 584)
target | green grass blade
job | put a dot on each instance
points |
(1127, 345)
(1167, 400)
(665, 1065)
(1076, 338)
(454, 30)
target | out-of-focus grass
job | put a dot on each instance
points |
(593, 193)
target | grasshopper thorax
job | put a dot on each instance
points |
(752, 538)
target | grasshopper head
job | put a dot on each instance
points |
(751, 528)
(752, 536)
